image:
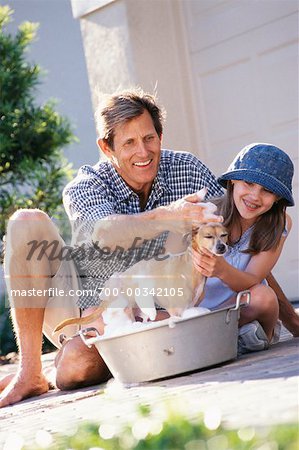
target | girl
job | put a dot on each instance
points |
(258, 188)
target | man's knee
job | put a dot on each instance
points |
(78, 366)
(26, 215)
(23, 225)
(31, 235)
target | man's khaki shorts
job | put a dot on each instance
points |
(63, 302)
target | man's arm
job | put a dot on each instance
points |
(178, 216)
(287, 314)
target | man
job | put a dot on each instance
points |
(138, 194)
(143, 190)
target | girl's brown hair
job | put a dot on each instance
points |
(267, 230)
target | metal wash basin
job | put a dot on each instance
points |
(160, 351)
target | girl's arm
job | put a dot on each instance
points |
(258, 268)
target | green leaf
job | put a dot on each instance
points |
(27, 33)
(5, 15)
(33, 169)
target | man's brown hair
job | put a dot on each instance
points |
(124, 106)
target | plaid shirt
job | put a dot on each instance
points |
(99, 191)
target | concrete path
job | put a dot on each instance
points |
(259, 389)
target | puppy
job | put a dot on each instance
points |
(173, 283)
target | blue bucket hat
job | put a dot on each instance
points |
(266, 165)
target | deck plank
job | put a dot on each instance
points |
(258, 389)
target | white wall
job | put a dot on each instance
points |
(226, 72)
(127, 43)
(245, 63)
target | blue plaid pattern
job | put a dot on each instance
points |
(99, 191)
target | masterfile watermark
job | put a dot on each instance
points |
(90, 252)
(50, 292)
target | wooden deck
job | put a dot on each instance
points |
(259, 389)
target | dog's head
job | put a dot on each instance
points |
(212, 236)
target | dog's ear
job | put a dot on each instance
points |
(195, 245)
(195, 229)
(187, 238)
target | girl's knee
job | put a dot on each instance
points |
(263, 305)
(263, 302)
(264, 296)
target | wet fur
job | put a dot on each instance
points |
(172, 273)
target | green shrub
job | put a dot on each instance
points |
(7, 340)
(33, 170)
(175, 431)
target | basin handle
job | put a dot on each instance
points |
(239, 298)
(238, 303)
(89, 340)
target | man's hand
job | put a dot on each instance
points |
(287, 313)
(293, 325)
(187, 212)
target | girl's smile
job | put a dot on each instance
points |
(252, 200)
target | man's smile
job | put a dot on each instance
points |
(143, 164)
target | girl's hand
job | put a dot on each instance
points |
(208, 264)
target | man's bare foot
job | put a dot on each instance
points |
(23, 386)
(6, 380)
(50, 375)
